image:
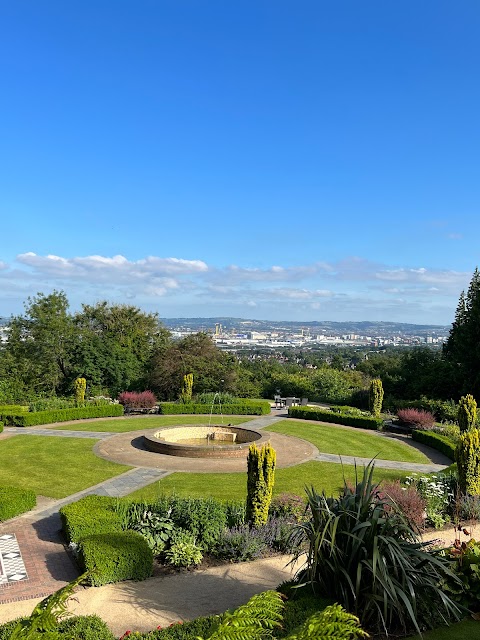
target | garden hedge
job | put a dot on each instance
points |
(14, 501)
(444, 444)
(323, 415)
(74, 628)
(90, 515)
(61, 415)
(13, 408)
(113, 557)
(244, 408)
(1, 426)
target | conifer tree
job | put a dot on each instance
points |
(376, 397)
(260, 479)
(463, 345)
(467, 412)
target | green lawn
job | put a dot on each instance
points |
(467, 629)
(232, 486)
(53, 467)
(123, 425)
(349, 441)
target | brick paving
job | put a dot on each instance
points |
(48, 564)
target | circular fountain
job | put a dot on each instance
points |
(203, 441)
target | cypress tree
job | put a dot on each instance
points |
(260, 479)
(462, 348)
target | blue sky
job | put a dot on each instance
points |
(268, 159)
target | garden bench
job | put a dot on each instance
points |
(141, 410)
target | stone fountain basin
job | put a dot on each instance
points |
(224, 442)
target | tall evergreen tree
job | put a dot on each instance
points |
(463, 345)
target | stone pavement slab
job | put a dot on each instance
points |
(414, 467)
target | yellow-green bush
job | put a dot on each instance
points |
(468, 462)
(260, 480)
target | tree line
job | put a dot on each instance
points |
(119, 347)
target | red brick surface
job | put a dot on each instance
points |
(49, 566)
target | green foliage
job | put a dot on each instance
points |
(187, 388)
(13, 408)
(156, 529)
(462, 346)
(14, 501)
(1, 426)
(324, 415)
(73, 628)
(260, 480)
(80, 386)
(468, 462)
(442, 443)
(370, 561)
(465, 563)
(376, 397)
(254, 620)
(113, 557)
(44, 619)
(204, 518)
(184, 550)
(90, 515)
(467, 412)
(62, 415)
(333, 623)
(244, 408)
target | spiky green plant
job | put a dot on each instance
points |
(370, 561)
(187, 388)
(376, 397)
(80, 386)
(467, 412)
(467, 455)
(260, 480)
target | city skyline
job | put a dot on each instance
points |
(281, 162)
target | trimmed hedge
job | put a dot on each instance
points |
(13, 408)
(323, 415)
(435, 440)
(74, 628)
(113, 557)
(90, 515)
(14, 501)
(1, 426)
(61, 415)
(244, 408)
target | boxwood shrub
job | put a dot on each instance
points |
(442, 443)
(113, 557)
(324, 415)
(74, 628)
(14, 501)
(244, 408)
(89, 515)
(33, 418)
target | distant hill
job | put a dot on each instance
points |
(335, 328)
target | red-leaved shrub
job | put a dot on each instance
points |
(407, 500)
(419, 418)
(138, 400)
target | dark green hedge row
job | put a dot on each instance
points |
(61, 415)
(323, 415)
(245, 408)
(92, 514)
(74, 628)
(1, 426)
(113, 557)
(14, 501)
(435, 440)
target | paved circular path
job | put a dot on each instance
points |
(127, 448)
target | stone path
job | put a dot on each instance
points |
(63, 433)
(414, 467)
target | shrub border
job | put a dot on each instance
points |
(61, 415)
(323, 415)
(444, 444)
